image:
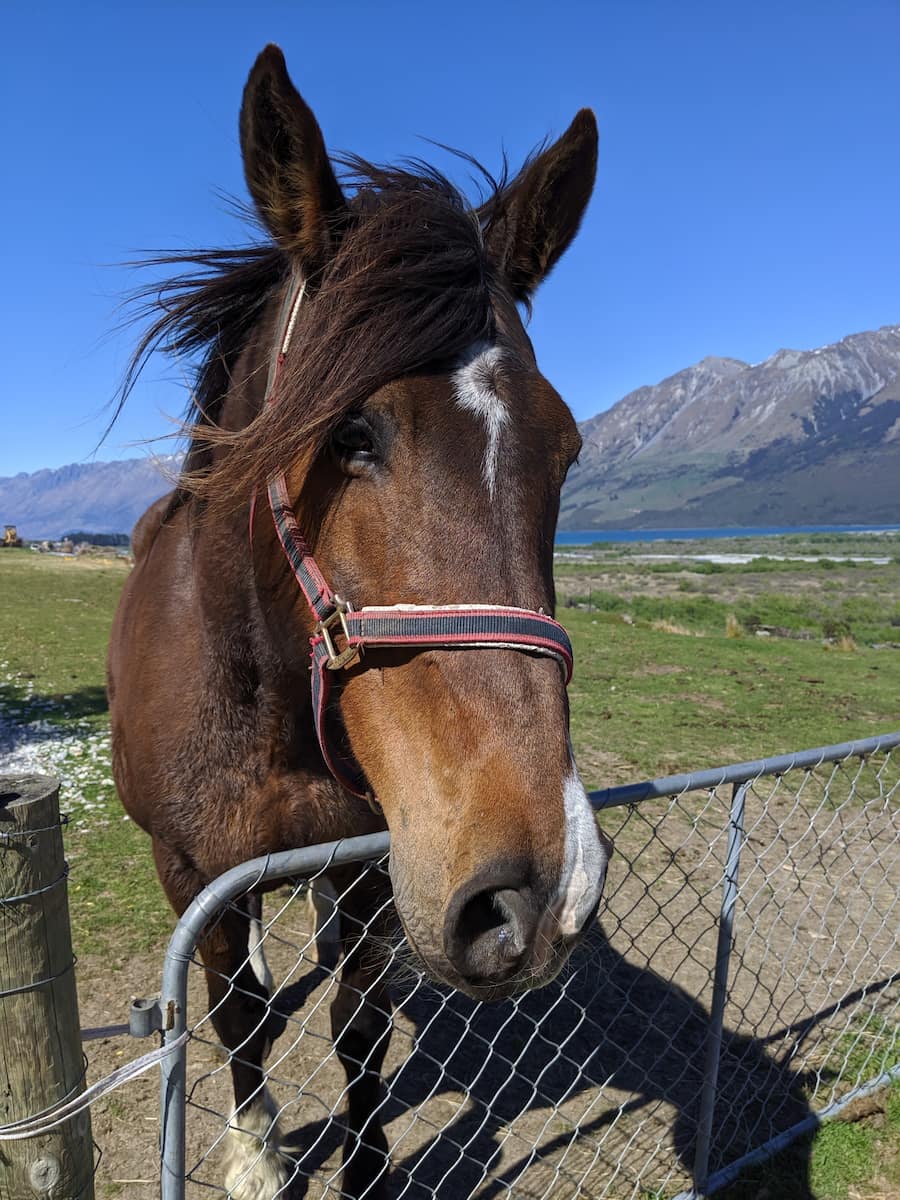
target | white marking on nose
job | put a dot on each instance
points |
(475, 390)
(584, 858)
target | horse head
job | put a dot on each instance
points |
(423, 455)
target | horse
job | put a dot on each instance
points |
(374, 470)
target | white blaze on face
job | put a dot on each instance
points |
(584, 858)
(475, 390)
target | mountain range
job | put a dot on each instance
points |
(100, 497)
(808, 437)
(805, 438)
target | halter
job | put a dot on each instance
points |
(469, 626)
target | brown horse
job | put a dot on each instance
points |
(422, 454)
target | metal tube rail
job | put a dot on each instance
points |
(725, 941)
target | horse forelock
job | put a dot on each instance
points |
(410, 286)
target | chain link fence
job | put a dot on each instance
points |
(742, 984)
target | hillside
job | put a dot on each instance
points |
(806, 437)
(103, 497)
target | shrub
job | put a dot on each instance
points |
(845, 644)
(834, 628)
(668, 625)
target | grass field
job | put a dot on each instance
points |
(688, 664)
(680, 665)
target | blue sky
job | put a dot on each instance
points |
(747, 195)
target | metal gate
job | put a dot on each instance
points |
(743, 985)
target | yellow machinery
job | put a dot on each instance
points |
(11, 536)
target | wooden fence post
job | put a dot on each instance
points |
(40, 1037)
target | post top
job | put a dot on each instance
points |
(25, 789)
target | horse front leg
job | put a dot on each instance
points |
(238, 981)
(361, 1031)
(255, 1167)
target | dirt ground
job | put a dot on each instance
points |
(588, 1088)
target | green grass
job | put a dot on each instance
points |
(882, 1153)
(844, 1160)
(645, 701)
(822, 598)
(869, 1047)
(56, 620)
(660, 702)
(869, 619)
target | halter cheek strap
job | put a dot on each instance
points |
(342, 634)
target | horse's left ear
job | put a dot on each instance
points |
(530, 223)
(287, 168)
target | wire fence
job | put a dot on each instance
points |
(741, 985)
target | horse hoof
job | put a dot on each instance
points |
(255, 1167)
(258, 1174)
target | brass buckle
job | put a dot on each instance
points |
(337, 659)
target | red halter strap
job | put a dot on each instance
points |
(342, 634)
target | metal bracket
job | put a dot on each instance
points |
(148, 1016)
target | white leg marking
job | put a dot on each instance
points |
(475, 390)
(327, 916)
(255, 1168)
(584, 858)
(257, 954)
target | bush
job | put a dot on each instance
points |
(668, 625)
(833, 629)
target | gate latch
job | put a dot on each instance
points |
(149, 1016)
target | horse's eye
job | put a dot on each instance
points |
(354, 440)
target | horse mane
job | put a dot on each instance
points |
(409, 287)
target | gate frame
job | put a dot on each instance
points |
(311, 860)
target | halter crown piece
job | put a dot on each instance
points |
(473, 626)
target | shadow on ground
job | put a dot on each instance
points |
(613, 1050)
(32, 720)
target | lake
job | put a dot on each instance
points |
(584, 537)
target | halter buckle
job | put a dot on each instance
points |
(337, 658)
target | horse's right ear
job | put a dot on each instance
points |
(287, 168)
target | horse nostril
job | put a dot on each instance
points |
(492, 933)
(493, 916)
